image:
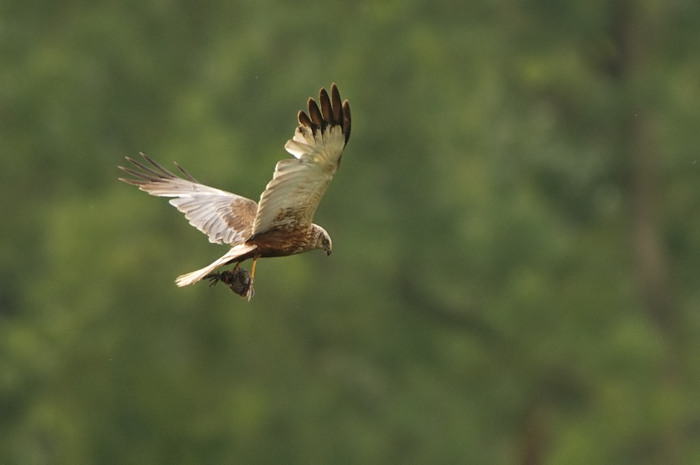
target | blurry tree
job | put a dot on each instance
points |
(515, 269)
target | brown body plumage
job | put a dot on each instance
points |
(280, 243)
(280, 224)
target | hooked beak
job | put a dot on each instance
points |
(328, 250)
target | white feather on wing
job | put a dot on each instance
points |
(225, 217)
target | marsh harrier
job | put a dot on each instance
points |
(280, 224)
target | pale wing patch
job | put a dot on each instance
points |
(298, 149)
(324, 147)
(297, 185)
(225, 217)
(293, 195)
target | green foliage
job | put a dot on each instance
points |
(486, 301)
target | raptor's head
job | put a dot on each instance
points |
(323, 240)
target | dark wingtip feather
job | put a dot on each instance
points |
(144, 174)
(315, 113)
(187, 175)
(336, 104)
(140, 178)
(326, 109)
(133, 182)
(304, 119)
(332, 112)
(347, 120)
(157, 165)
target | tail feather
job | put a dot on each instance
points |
(195, 276)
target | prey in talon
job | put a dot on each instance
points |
(237, 279)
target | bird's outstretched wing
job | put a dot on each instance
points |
(225, 217)
(292, 196)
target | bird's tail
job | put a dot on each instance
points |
(195, 276)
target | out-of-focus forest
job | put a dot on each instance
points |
(516, 230)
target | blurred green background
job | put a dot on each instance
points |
(516, 232)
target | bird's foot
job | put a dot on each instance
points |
(237, 279)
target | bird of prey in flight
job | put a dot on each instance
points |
(280, 223)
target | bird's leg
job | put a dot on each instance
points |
(252, 269)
